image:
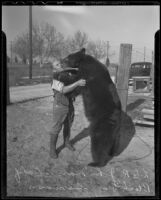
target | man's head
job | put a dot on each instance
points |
(57, 66)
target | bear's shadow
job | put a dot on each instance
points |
(135, 104)
(125, 135)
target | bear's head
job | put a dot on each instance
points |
(73, 60)
(85, 64)
(89, 68)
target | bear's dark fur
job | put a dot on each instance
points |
(102, 105)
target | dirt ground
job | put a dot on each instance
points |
(31, 172)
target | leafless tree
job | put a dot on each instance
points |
(21, 46)
(98, 49)
(78, 41)
(47, 42)
(38, 42)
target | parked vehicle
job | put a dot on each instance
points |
(139, 69)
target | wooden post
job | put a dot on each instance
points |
(123, 73)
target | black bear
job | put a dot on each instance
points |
(102, 105)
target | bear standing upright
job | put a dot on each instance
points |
(102, 105)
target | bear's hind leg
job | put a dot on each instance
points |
(100, 163)
(100, 152)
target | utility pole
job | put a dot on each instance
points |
(11, 51)
(108, 47)
(107, 59)
(30, 42)
(144, 53)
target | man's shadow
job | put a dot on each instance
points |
(124, 136)
(83, 134)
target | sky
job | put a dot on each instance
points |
(117, 24)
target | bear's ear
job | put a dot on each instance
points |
(83, 50)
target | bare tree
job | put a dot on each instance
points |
(21, 46)
(78, 41)
(98, 49)
(48, 42)
(38, 42)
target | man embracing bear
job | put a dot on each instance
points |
(102, 106)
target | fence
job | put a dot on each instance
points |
(18, 73)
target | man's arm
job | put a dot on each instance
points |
(71, 87)
(59, 86)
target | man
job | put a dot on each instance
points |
(63, 110)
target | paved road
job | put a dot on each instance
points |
(23, 93)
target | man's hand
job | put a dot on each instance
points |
(81, 82)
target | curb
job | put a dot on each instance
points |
(26, 100)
